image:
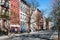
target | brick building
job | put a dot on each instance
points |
(37, 19)
(4, 14)
(14, 14)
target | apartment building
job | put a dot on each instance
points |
(4, 13)
(49, 24)
(19, 12)
(37, 19)
(22, 21)
(24, 9)
(33, 24)
(15, 14)
(44, 22)
(9, 12)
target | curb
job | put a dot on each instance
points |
(4, 37)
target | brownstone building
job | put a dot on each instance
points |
(43, 23)
(37, 19)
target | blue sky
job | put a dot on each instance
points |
(44, 5)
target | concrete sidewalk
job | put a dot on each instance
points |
(54, 35)
(14, 35)
(4, 37)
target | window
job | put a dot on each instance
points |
(21, 13)
(21, 17)
(21, 23)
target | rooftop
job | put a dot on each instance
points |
(25, 2)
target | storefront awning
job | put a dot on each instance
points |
(14, 25)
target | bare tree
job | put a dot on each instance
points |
(56, 13)
(34, 4)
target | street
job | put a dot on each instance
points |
(29, 19)
(42, 35)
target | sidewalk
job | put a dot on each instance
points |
(4, 37)
(54, 36)
(15, 35)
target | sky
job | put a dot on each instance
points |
(44, 5)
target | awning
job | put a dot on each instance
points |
(14, 25)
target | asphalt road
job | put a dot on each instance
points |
(42, 35)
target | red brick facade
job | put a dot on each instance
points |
(14, 14)
(14, 10)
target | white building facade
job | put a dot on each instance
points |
(33, 24)
(23, 10)
(44, 22)
(22, 20)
